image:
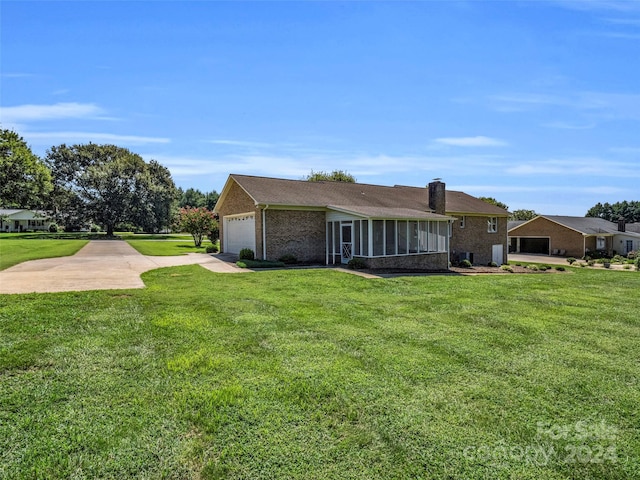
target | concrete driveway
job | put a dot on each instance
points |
(99, 265)
(548, 259)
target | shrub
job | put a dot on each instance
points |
(571, 260)
(626, 267)
(591, 263)
(493, 264)
(507, 268)
(637, 262)
(53, 228)
(212, 249)
(543, 268)
(583, 265)
(288, 259)
(617, 259)
(357, 264)
(259, 264)
(533, 267)
(94, 229)
(246, 254)
(632, 255)
(560, 268)
(465, 263)
(214, 233)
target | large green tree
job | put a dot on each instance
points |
(155, 200)
(334, 176)
(108, 185)
(522, 214)
(192, 197)
(25, 180)
(629, 210)
(495, 202)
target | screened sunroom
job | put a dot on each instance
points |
(388, 237)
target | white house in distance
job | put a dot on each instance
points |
(22, 220)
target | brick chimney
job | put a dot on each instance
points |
(621, 224)
(437, 197)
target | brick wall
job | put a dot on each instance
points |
(237, 201)
(560, 237)
(431, 261)
(475, 238)
(296, 232)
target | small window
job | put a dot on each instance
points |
(492, 224)
(462, 222)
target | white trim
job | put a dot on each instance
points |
(492, 226)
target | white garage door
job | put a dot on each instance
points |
(239, 232)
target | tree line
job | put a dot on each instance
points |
(112, 186)
(89, 183)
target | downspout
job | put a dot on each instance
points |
(264, 233)
(326, 240)
(449, 234)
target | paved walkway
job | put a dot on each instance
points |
(100, 265)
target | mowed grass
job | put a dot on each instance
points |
(14, 251)
(319, 374)
(167, 248)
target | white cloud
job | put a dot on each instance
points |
(482, 190)
(604, 105)
(21, 113)
(240, 143)
(80, 137)
(479, 141)
(567, 168)
(569, 126)
(626, 6)
(16, 75)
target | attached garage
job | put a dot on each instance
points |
(239, 232)
(534, 245)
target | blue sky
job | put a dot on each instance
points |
(534, 103)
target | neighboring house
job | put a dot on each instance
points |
(22, 220)
(572, 236)
(633, 227)
(332, 222)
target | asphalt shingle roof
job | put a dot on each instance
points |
(586, 225)
(278, 191)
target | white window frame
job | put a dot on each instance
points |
(492, 225)
(462, 221)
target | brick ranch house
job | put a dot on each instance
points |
(572, 236)
(332, 222)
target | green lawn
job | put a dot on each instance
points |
(14, 251)
(319, 374)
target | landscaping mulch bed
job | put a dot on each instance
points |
(475, 270)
